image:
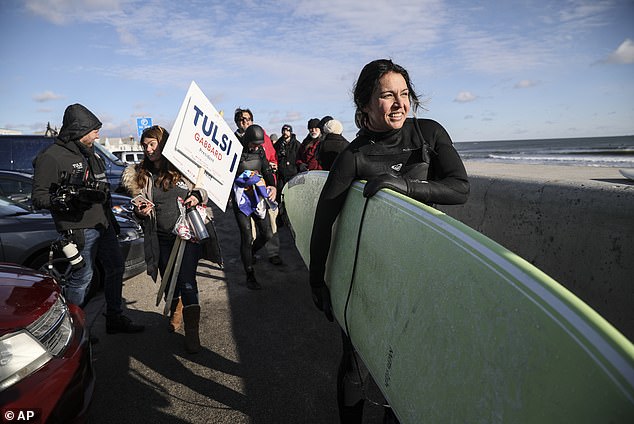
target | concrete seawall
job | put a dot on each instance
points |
(574, 223)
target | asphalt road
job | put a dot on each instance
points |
(268, 356)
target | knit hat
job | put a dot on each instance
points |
(323, 121)
(313, 123)
(286, 126)
(333, 126)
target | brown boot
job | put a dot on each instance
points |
(176, 315)
(191, 319)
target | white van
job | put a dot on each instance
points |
(129, 156)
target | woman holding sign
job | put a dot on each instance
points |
(158, 187)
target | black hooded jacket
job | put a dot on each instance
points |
(68, 155)
(286, 157)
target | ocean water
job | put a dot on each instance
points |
(614, 152)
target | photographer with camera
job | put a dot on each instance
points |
(70, 181)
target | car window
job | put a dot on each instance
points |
(10, 208)
(10, 186)
(17, 189)
(133, 157)
(107, 153)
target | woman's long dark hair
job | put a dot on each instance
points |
(167, 175)
(369, 79)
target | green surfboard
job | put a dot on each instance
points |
(455, 328)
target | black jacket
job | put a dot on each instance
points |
(286, 157)
(67, 155)
(329, 148)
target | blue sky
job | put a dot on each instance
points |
(488, 70)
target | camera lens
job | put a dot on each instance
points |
(72, 254)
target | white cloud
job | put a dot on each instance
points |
(584, 12)
(525, 84)
(465, 97)
(46, 96)
(624, 54)
(61, 12)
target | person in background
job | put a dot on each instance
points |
(322, 122)
(286, 148)
(412, 156)
(84, 216)
(163, 187)
(307, 153)
(253, 190)
(243, 119)
(332, 144)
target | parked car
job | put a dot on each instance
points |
(26, 238)
(45, 353)
(18, 185)
(18, 151)
(129, 156)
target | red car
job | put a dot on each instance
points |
(46, 372)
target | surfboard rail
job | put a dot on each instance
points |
(454, 327)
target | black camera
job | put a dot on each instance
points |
(74, 192)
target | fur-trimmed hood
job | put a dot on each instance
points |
(129, 180)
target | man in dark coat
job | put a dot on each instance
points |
(70, 181)
(332, 144)
(307, 154)
(286, 147)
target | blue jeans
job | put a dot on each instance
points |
(186, 284)
(102, 242)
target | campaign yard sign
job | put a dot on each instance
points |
(203, 147)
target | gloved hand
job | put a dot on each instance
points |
(80, 205)
(303, 167)
(321, 297)
(391, 181)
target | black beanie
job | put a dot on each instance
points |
(323, 121)
(313, 123)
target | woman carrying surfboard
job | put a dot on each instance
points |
(412, 156)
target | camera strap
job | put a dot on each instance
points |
(96, 170)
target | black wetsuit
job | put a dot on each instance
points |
(418, 161)
(253, 161)
(432, 174)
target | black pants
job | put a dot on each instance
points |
(247, 245)
(351, 378)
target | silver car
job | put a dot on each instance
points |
(26, 238)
